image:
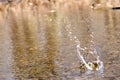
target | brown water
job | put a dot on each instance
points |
(38, 46)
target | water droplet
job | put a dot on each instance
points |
(52, 11)
(50, 19)
(70, 32)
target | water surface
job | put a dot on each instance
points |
(38, 46)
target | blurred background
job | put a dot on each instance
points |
(37, 39)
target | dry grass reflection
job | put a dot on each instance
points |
(35, 44)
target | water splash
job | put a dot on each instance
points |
(92, 65)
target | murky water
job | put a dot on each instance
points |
(41, 45)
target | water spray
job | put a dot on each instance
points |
(95, 65)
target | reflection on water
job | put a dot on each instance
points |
(40, 44)
(6, 56)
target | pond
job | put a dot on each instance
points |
(40, 43)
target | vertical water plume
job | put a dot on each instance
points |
(90, 57)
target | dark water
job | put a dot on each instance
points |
(38, 47)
